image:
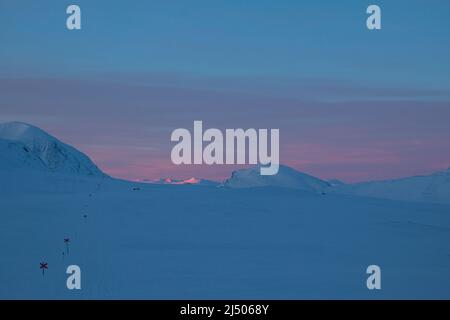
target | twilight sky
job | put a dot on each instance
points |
(350, 103)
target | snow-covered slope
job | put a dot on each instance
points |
(335, 182)
(286, 178)
(16, 155)
(431, 188)
(23, 146)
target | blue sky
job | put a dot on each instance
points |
(370, 102)
(237, 38)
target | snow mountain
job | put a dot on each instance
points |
(25, 147)
(192, 181)
(428, 188)
(286, 178)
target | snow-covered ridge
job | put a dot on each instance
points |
(23, 146)
(286, 178)
(192, 181)
(427, 188)
(26, 148)
(430, 188)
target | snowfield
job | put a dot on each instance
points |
(192, 242)
(170, 241)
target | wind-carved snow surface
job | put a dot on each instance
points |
(27, 147)
(155, 241)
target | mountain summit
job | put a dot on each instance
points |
(286, 178)
(27, 147)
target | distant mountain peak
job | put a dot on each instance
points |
(192, 181)
(286, 177)
(24, 146)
